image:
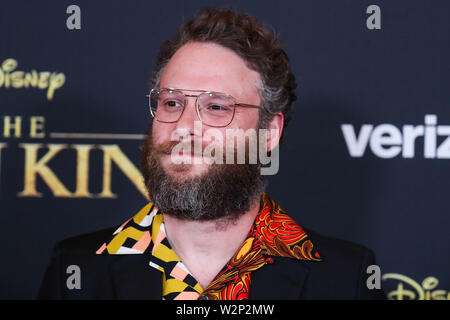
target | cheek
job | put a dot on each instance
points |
(244, 126)
(246, 119)
(161, 132)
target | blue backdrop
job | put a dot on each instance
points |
(366, 157)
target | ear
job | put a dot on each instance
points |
(274, 131)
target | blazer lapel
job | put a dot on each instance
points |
(134, 278)
(282, 280)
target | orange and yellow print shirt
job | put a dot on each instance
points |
(273, 233)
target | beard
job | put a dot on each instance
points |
(224, 191)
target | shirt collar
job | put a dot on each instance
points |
(273, 233)
(278, 234)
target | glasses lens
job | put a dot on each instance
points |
(216, 109)
(166, 105)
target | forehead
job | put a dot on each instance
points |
(209, 66)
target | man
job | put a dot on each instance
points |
(210, 231)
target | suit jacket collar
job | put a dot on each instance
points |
(280, 237)
(132, 278)
(284, 279)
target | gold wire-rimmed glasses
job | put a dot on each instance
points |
(215, 109)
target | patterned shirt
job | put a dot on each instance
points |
(273, 234)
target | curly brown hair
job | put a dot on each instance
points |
(247, 37)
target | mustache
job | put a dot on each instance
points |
(198, 149)
(168, 146)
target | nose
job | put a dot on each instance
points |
(186, 123)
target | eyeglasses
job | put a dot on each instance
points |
(215, 109)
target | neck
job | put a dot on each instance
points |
(205, 247)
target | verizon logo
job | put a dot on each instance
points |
(388, 141)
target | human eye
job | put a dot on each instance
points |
(170, 103)
(217, 107)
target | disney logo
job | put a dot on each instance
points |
(20, 79)
(423, 291)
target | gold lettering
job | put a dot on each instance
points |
(30, 79)
(439, 295)
(2, 145)
(43, 79)
(399, 293)
(7, 66)
(56, 81)
(8, 126)
(37, 123)
(422, 292)
(18, 79)
(112, 153)
(429, 284)
(34, 167)
(82, 170)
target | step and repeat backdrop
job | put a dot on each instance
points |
(366, 157)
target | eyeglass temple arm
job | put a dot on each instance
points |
(248, 105)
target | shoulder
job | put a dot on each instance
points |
(335, 250)
(342, 273)
(79, 251)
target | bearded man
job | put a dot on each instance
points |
(210, 230)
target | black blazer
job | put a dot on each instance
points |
(341, 274)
